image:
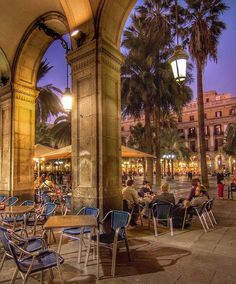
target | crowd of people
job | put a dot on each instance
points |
(145, 198)
(52, 179)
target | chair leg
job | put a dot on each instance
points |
(204, 218)
(14, 276)
(41, 277)
(209, 218)
(80, 246)
(202, 222)
(2, 261)
(113, 266)
(54, 238)
(60, 242)
(88, 250)
(127, 248)
(184, 220)
(171, 227)
(51, 274)
(213, 217)
(155, 222)
(60, 274)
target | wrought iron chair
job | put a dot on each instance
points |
(11, 201)
(29, 263)
(29, 244)
(119, 221)
(78, 233)
(162, 211)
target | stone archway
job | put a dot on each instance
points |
(96, 87)
(25, 65)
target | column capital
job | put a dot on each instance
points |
(96, 50)
(25, 93)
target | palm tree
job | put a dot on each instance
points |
(168, 95)
(61, 131)
(137, 137)
(202, 32)
(47, 103)
(230, 140)
(137, 78)
(43, 135)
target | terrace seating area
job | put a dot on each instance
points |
(72, 256)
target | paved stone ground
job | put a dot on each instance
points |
(190, 256)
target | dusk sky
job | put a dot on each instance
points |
(218, 76)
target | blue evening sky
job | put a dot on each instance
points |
(218, 76)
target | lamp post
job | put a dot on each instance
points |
(170, 164)
(178, 60)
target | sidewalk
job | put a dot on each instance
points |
(190, 256)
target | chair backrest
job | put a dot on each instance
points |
(162, 210)
(11, 201)
(2, 197)
(27, 203)
(201, 208)
(15, 254)
(49, 208)
(89, 211)
(45, 198)
(209, 204)
(119, 219)
(4, 237)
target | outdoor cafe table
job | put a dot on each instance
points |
(74, 221)
(17, 210)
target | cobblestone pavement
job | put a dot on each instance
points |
(190, 256)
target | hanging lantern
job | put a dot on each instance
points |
(178, 63)
(67, 100)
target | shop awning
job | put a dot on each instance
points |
(65, 152)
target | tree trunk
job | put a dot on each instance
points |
(201, 125)
(157, 118)
(148, 143)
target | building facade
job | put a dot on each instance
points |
(220, 111)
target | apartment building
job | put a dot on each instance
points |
(220, 110)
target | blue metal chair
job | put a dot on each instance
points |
(162, 211)
(119, 221)
(2, 197)
(78, 233)
(40, 219)
(11, 201)
(31, 244)
(33, 262)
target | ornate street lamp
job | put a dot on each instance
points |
(178, 60)
(67, 96)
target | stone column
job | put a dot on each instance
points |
(96, 138)
(5, 140)
(23, 136)
(212, 144)
(17, 140)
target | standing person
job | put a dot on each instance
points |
(220, 190)
(220, 176)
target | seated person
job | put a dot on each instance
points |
(130, 195)
(165, 196)
(146, 188)
(200, 197)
